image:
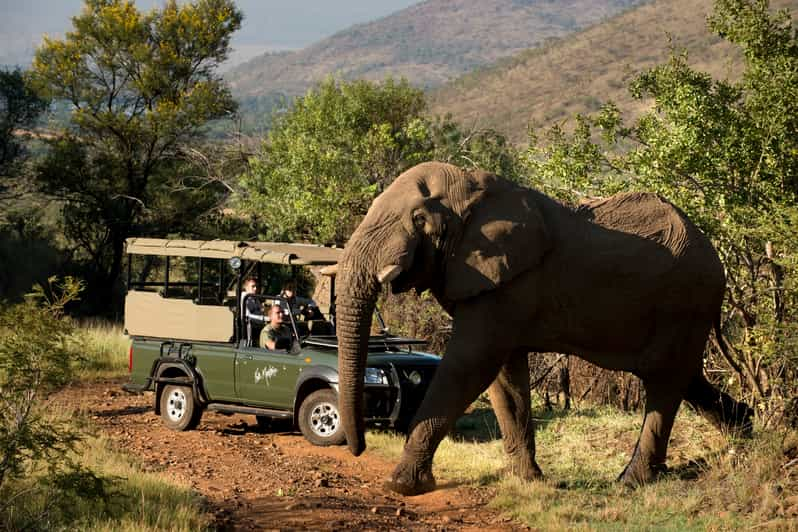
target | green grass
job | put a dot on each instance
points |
(713, 483)
(103, 350)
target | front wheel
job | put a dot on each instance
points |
(319, 420)
(179, 410)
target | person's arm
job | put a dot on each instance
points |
(252, 310)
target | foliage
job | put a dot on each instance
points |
(330, 154)
(485, 149)
(28, 253)
(19, 108)
(416, 316)
(34, 361)
(141, 86)
(131, 500)
(340, 145)
(725, 152)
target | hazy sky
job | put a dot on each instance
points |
(276, 24)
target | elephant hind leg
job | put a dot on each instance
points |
(674, 356)
(719, 408)
(648, 458)
(509, 395)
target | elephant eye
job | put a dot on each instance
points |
(419, 221)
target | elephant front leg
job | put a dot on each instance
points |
(509, 395)
(466, 370)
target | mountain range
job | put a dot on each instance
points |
(576, 74)
(429, 43)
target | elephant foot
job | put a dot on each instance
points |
(410, 480)
(526, 471)
(637, 474)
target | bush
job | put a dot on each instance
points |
(35, 360)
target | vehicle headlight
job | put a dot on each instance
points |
(414, 377)
(375, 376)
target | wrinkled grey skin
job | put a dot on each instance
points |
(627, 283)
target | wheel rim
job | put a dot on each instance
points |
(324, 419)
(176, 405)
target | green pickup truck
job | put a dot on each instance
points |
(192, 345)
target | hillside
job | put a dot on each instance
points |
(577, 73)
(429, 43)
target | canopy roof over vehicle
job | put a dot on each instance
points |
(271, 252)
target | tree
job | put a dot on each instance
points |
(20, 106)
(726, 152)
(141, 87)
(340, 145)
(328, 156)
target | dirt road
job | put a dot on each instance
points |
(257, 480)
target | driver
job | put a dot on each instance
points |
(276, 330)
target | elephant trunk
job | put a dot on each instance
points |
(354, 310)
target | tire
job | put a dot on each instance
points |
(179, 409)
(319, 419)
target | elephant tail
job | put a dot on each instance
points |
(715, 405)
(719, 408)
(723, 347)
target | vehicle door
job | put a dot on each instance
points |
(215, 366)
(265, 377)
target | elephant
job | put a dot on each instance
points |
(627, 283)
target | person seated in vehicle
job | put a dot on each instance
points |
(293, 304)
(252, 310)
(277, 334)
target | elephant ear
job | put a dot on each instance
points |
(503, 235)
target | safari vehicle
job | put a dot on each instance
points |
(192, 346)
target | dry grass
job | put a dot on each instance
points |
(144, 500)
(102, 349)
(713, 483)
(136, 500)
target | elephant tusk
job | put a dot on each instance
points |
(389, 273)
(330, 271)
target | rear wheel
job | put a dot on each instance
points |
(179, 409)
(319, 419)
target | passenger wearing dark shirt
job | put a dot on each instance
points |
(252, 310)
